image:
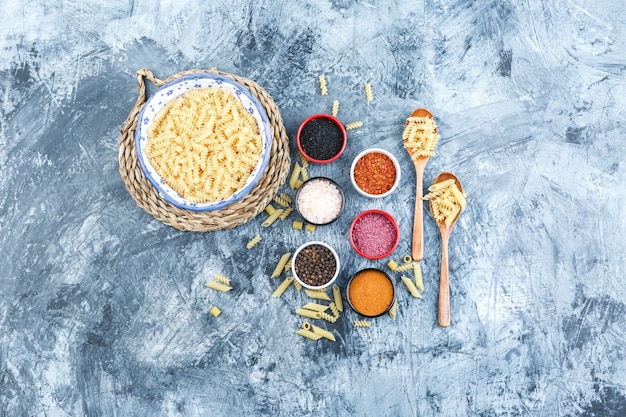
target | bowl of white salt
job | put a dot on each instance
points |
(320, 201)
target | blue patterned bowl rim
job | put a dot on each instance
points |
(170, 91)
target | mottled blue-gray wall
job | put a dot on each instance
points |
(103, 309)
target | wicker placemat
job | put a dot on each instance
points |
(238, 213)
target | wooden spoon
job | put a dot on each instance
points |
(417, 251)
(443, 316)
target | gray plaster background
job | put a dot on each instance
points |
(103, 310)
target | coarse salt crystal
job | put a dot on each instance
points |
(320, 201)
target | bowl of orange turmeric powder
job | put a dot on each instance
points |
(370, 292)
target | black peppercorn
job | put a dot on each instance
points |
(315, 265)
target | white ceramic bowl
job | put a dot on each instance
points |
(170, 91)
(312, 287)
(396, 164)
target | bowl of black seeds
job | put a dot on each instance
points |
(315, 265)
(321, 138)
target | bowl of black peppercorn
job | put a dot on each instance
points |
(321, 138)
(315, 265)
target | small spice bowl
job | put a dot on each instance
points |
(315, 265)
(370, 292)
(375, 173)
(321, 138)
(374, 234)
(320, 201)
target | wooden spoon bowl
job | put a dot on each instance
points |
(443, 310)
(417, 249)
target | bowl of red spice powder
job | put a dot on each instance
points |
(321, 138)
(375, 173)
(374, 234)
(370, 292)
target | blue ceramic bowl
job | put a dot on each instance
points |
(174, 89)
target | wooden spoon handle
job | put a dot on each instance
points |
(443, 316)
(417, 250)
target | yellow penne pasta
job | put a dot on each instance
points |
(315, 307)
(309, 334)
(280, 265)
(318, 295)
(322, 332)
(282, 287)
(215, 311)
(295, 174)
(411, 287)
(419, 281)
(393, 265)
(297, 225)
(308, 313)
(270, 209)
(393, 311)
(271, 218)
(337, 297)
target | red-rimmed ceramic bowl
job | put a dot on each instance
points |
(374, 234)
(321, 138)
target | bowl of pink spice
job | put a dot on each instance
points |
(374, 234)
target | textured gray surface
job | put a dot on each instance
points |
(103, 310)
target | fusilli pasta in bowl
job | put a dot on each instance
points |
(203, 141)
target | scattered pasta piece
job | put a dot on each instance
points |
(411, 287)
(420, 136)
(297, 285)
(286, 212)
(317, 295)
(354, 125)
(281, 265)
(308, 334)
(337, 297)
(393, 265)
(404, 268)
(218, 286)
(446, 201)
(419, 281)
(362, 323)
(393, 311)
(270, 209)
(322, 332)
(334, 309)
(297, 184)
(221, 278)
(407, 259)
(272, 218)
(287, 266)
(304, 163)
(215, 311)
(253, 242)
(310, 227)
(282, 199)
(315, 307)
(304, 173)
(308, 313)
(282, 287)
(369, 95)
(328, 317)
(297, 224)
(295, 175)
(335, 108)
(323, 86)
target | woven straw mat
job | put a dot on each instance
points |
(236, 214)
